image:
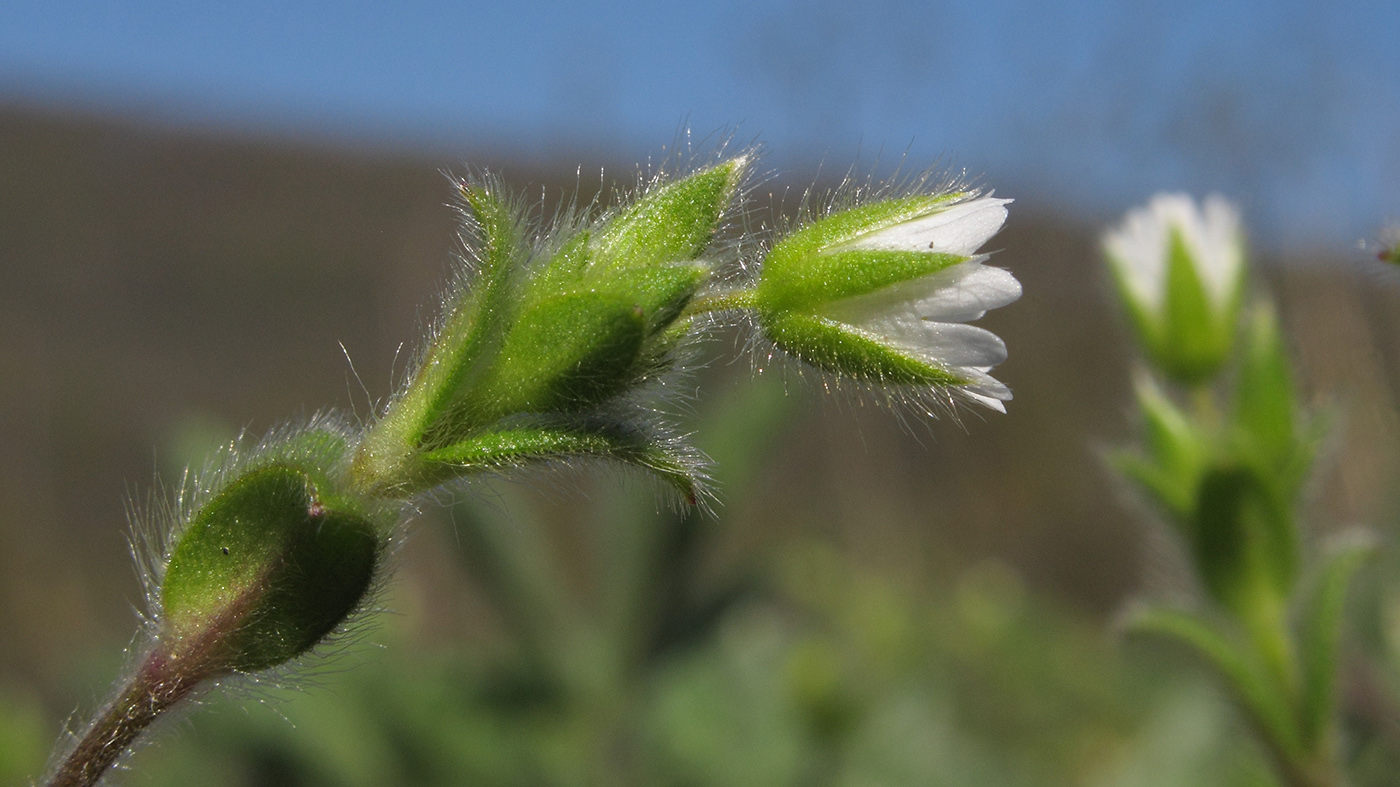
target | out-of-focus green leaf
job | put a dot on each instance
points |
(1170, 471)
(1320, 632)
(24, 738)
(1244, 542)
(1265, 404)
(1265, 702)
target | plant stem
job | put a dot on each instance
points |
(156, 687)
(728, 300)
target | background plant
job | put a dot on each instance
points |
(1225, 459)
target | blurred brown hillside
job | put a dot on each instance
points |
(160, 291)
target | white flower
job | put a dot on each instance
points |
(1140, 247)
(925, 317)
(1180, 271)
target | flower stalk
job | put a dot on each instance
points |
(154, 689)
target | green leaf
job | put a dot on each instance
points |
(1320, 632)
(1175, 456)
(1264, 702)
(565, 353)
(1245, 542)
(513, 447)
(672, 223)
(1265, 403)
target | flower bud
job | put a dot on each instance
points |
(266, 568)
(1180, 272)
(882, 293)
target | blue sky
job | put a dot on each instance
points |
(1291, 107)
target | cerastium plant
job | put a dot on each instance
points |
(1226, 471)
(553, 344)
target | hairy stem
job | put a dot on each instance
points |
(156, 687)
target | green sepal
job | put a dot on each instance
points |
(267, 568)
(1188, 336)
(660, 292)
(1196, 334)
(1320, 633)
(1265, 703)
(806, 284)
(809, 269)
(1244, 542)
(508, 448)
(848, 351)
(475, 325)
(647, 252)
(565, 269)
(846, 225)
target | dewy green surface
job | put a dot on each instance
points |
(265, 570)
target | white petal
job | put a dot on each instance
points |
(966, 292)
(1138, 247)
(986, 401)
(961, 293)
(959, 229)
(944, 343)
(983, 389)
(1219, 248)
